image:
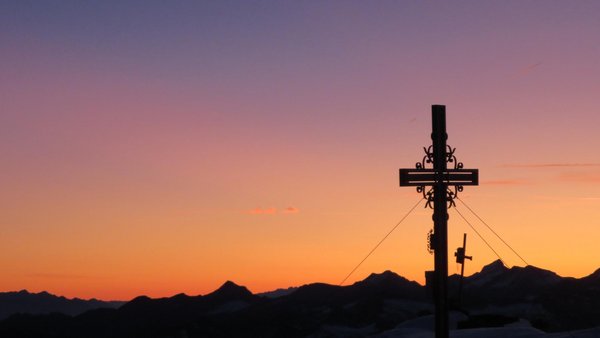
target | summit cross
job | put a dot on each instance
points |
(445, 184)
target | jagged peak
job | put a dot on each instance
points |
(229, 285)
(540, 275)
(142, 298)
(136, 303)
(535, 268)
(230, 289)
(41, 293)
(280, 292)
(488, 273)
(494, 267)
(384, 278)
(386, 275)
(180, 295)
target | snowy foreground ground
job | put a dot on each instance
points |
(423, 328)
(522, 332)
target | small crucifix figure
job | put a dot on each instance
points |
(440, 178)
(461, 255)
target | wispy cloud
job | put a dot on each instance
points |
(44, 275)
(505, 182)
(272, 211)
(530, 68)
(583, 177)
(526, 70)
(550, 165)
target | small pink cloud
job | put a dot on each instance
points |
(290, 210)
(261, 211)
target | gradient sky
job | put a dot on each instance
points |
(153, 147)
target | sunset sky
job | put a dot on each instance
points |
(153, 147)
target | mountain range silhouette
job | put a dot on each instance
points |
(495, 296)
(44, 302)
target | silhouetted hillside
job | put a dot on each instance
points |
(43, 303)
(495, 296)
(277, 293)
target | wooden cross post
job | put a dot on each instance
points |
(439, 178)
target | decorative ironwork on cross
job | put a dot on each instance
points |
(422, 176)
(445, 184)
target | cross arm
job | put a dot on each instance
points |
(423, 177)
